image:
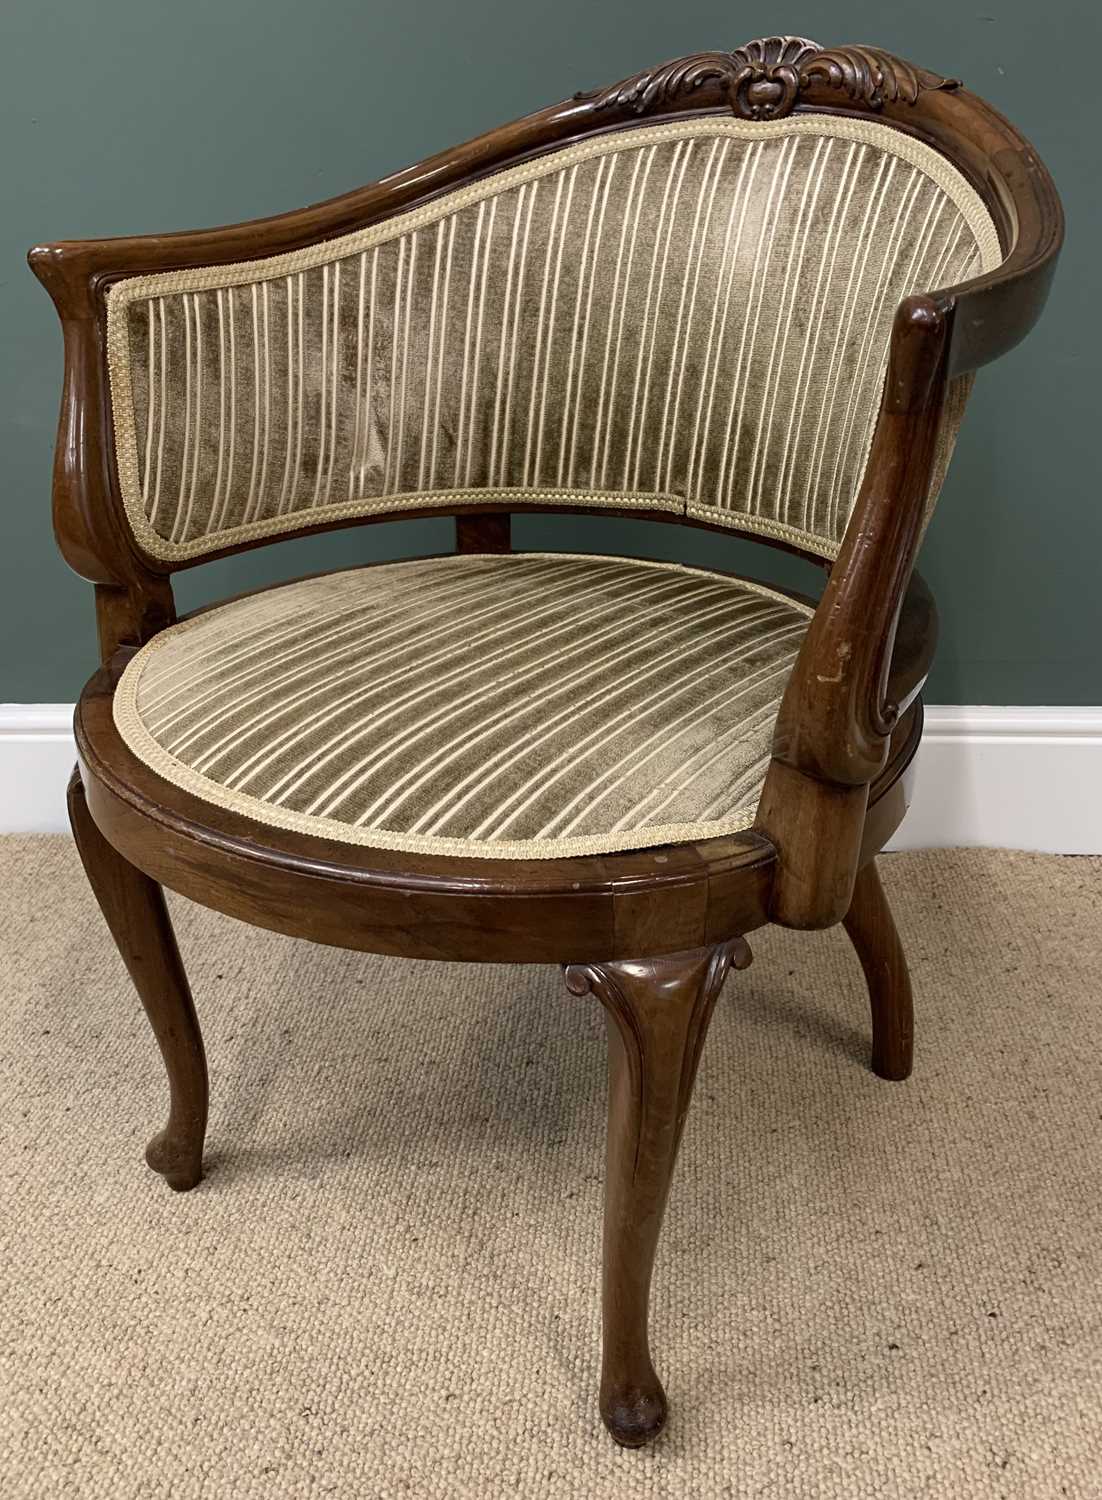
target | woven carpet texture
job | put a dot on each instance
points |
(387, 1284)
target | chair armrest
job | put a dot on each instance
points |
(837, 714)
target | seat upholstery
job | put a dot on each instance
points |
(690, 317)
(512, 706)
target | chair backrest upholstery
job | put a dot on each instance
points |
(691, 317)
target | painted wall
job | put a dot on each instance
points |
(132, 116)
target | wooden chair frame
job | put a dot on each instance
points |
(651, 933)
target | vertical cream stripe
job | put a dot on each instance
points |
(198, 431)
(185, 301)
(300, 394)
(682, 338)
(265, 309)
(586, 271)
(647, 322)
(218, 501)
(783, 318)
(537, 356)
(163, 409)
(369, 374)
(864, 237)
(405, 351)
(890, 283)
(551, 349)
(231, 416)
(440, 352)
(625, 215)
(323, 383)
(653, 316)
(249, 499)
(717, 336)
(710, 322)
(150, 365)
(623, 288)
(870, 303)
(588, 319)
(194, 427)
(476, 361)
(493, 466)
(945, 258)
(506, 467)
(430, 351)
(831, 242)
(334, 397)
(741, 378)
(395, 354)
(472, 285)
(289, 303)
(861, 237)
(357, 413)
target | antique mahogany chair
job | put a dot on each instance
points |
(744, 291)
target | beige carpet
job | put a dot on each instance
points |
(387, 1285)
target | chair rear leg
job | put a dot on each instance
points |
(872, 932)
(658, 1010)
(134, 907)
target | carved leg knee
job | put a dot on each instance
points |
(134, 907)
(873, 934)
(658, 1010)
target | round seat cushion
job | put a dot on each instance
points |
(528, 705)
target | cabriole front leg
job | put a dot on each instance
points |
(134, 907)
(658, 1010)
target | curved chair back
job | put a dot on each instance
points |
(691, 317)
(672, 298)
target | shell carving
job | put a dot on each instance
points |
(768, 80)
(765, 79)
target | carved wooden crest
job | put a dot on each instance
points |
(765, 79)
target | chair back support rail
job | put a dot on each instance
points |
(744, 290)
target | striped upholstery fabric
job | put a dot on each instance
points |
(691, 317)
(517, 706)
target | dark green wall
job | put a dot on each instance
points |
(129, 116)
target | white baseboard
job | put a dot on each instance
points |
(36, 760)
(1009, 778)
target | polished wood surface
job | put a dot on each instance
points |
(871, 929)
(838, 712)
(658, 1011)
(650, 933)
(134, 909)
